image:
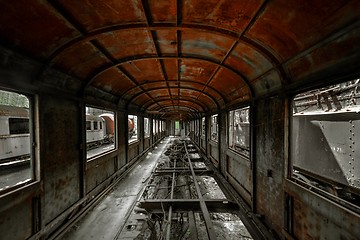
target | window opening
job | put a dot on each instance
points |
(239, 130)
(146, 127)
(177, 128)
(214, 127)
(203, 126)
(16, 158)
(132, 128)
(325, 143)
(88, 125)
(100, 131)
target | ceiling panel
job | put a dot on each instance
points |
(153, 85)
(205, 44)
(171, 68)
(144, 70)
(162, 11)
(231, 15)
(229, 82)
(328, 54)
(125, 43)
(36, 29)
(159, 93)
(95, 14)
(80, 60)
(197, 70)
(167, 41)
(114, 81)
(248, 61)
(287, 27)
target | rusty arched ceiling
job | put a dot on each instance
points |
(184, 57)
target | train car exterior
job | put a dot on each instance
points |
(95, 130)
(14, 133)
(109, 127)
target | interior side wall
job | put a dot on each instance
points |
(67, 181)
(270, 161)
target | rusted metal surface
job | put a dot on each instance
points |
(60, 156)
(316, 217)
(36, 28)
(114, 81)
(94, 14)
(241, 48)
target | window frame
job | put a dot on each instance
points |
(217, 128)
(103, 129)
(34, 143)
(315, 178)
(243, 150)
(136, 129)
(147, 134)
(203, 127)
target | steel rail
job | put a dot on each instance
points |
(209, 226)
(168, 231)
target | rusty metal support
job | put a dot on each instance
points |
(209, 226)
(168, 230)
(197, 172)
(184, 205)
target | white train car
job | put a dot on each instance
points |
(95, 131)
(14, 133)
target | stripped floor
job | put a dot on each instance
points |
(166, 196)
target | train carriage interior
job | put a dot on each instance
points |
(179, 119)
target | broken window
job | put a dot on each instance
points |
(100, 131)
(214, 127)
(16, 135)
(163, 126)
(203, 127)
(146, 127)
(177, 128)
(132, 128)
(154, 127)
(239, 131)
(325, 140)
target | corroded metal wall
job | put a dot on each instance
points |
(270, 163)
(239, 174)
(315, 217)
(60, 154)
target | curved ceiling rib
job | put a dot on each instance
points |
(143, 84)
(160, 88)
(185, 110)
(94, 34)
(164, 102)
(211, 29)
(173, 108)
(183, 98)
(155, 106)
(138, 58)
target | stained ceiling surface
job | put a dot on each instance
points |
(183, 57)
